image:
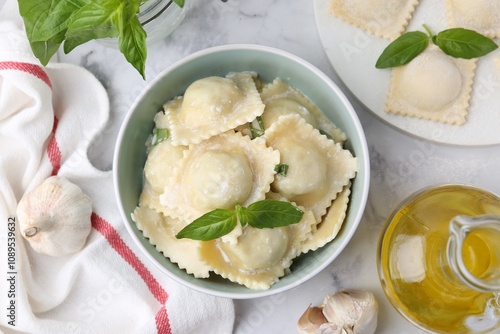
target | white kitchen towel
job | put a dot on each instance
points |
(48, 118)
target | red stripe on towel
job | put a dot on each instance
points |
(162, 322)
(33, 69)
(109, 232)
(53, 150)
(112, 236)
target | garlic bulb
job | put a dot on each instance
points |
(345, 312)
(55, 217)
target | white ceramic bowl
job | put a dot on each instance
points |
(269, 63)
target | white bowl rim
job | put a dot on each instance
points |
(357, 124)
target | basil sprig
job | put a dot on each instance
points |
(455, 42)
(49, 24)
(260, 214)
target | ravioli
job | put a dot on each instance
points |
(211, 106)
(159, 164)
(330, 224)
(161, 231)
(382, 18)
(261, 256)
(433, 86)
(482, 16)
(318, 167)
(220, 172)
(281, 99)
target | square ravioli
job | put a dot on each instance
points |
(433, 86)
(213, 105)
(387, 19)
(482, 16)
(319, 167)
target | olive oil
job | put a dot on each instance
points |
(413, 262)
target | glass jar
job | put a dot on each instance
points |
(159, 18)
(439, 259)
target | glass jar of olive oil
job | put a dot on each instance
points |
(439, 259)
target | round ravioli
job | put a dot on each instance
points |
(211, 106)
(282, 99)
(161, 231)
(220, 172)
(318, 168)
(260, 256)
(432, 86)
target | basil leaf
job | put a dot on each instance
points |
(403, 49)
(45, 19)
(211, 225)
(95, 20)
(44, 50)
(269, 214)
(464, 43)
(132, 40)
(179, 3)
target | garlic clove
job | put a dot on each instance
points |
(330, 328)
(311, 320)
(340, 309)
(367, 322)
(354, 310)
(55, 217)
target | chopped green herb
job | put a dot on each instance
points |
(281, 169)
(159, 135)
(259, 130)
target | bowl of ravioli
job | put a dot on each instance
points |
(231, 126)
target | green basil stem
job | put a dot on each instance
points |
(429, 31)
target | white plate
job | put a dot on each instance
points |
(353, 53)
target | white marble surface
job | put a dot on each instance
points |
(400, 164)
